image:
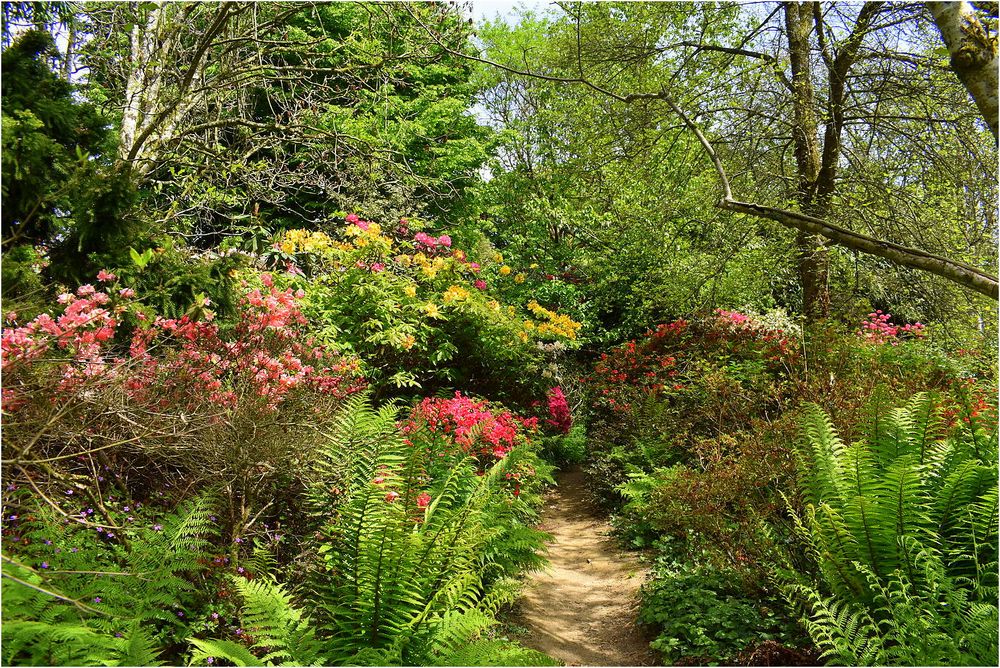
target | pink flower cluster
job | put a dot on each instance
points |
(559, 413)
(878, 328)
(353, 219)
(80, 331)
(734, 318)
(432, 243)
(471, 422)
(183, 362)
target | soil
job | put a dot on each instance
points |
(582, 609)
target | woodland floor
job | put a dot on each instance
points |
(582, 609)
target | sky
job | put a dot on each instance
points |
(489, 9)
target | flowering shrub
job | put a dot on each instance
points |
(406, 302)
(878, 328)
(673, 355)
(472, 423)
(559, 413)
(178, 362)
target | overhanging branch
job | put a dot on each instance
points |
(958, 272)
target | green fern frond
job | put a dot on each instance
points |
(225, 650)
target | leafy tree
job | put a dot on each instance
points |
(846, 95)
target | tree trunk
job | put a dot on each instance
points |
(973, 54)
(813, 254)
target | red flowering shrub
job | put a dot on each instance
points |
(559, 413)
(473, 425)
(674, 355)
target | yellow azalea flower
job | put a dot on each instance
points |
(361, 242)
(459, 255)
(528, 324)
(523, 336)
(408, 341)
(493, 304)
(558, 325)
(430, 272)
(374, 229)
(410, 291)
(404, 260)
(304, 241)
(353, 231)
(499, 258)
(519, 278)
(504, 270)
(432, 310)
(534, 265)
(455, 293)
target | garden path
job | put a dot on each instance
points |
(582, 609)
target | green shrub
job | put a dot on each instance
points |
(567, 449)
(703, 615)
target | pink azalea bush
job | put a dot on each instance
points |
(179, 362)
(476, 427)
(559, 413)
(878, 328)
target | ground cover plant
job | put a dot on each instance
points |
(307, 306)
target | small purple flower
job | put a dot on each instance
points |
(180, 613)
(13, 518)
(157, 527)
(129, 519)
(238, 540)
(215, 615)
(90, 511)
(97, 599)
(238, 632)
(100, 478)
(100, 529)
(118, 634)
(210, 660)
(110, 535)
(211, 517)
(126, 509)
(240, 570)
(58, 550)
(47, 541)
(73, 549)
(69, 492)
(45, 564)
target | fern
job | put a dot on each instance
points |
(903, 526)
(401, 584)
(99, 602)
(280, 633)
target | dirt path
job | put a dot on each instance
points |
(582, 608)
